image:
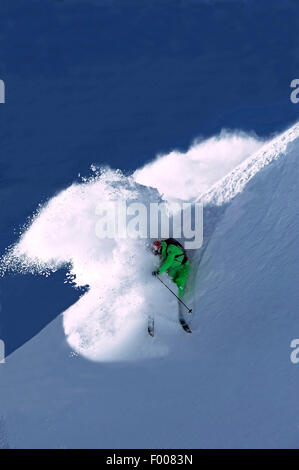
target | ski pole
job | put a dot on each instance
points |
(189, 309)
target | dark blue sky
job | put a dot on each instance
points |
(116, 82)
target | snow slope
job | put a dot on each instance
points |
(230, 384)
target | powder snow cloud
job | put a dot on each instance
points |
(185, 176)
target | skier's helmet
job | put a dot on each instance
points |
(156, 247)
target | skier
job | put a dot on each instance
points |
(174, 262)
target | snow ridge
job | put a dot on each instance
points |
(233, 183)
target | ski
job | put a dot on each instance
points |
(182, 320)
(185, 325)
(150, 326)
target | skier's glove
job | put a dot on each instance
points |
(154, 273)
